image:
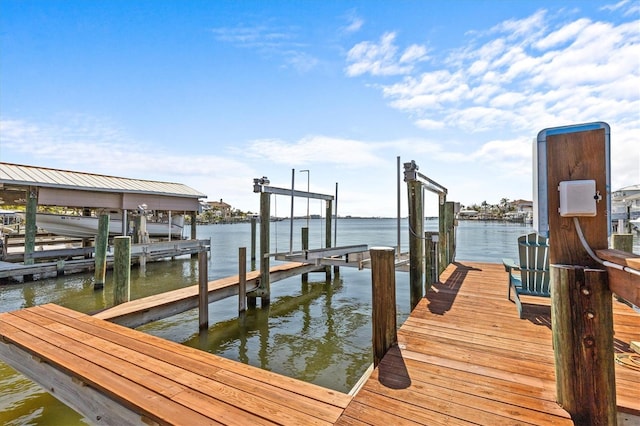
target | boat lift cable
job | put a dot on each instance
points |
(586, 246)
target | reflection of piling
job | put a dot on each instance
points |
(305, 246)
(383, 295)
(203, 291)
(121, 270)
(242, 279)
(102, 240)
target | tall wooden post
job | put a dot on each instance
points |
(582, 318)
(265, 244)
(383, 295)
(583, 338)
(121, 269)
(242, 279)
(203, 291)
(253, 243)
(450, 230)
(194, 232)
(430, 264)
(416, 243)
(443, 262)
(31, 229)
(102, 241)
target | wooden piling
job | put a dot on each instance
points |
(253, 243)
(416, 243)
(121, 269)
(383, 295)
(450, 230)
(305, 246)
(242, 279)
(581, 308)
(203, 291)
(430, 256)
(442, 235)
(31, 228)
(582, 324)
(622, 242)
(102, 241)
(265, 244)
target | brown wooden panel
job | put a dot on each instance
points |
(576, 156)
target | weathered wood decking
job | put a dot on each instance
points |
(152, 308)
(115, 375)
(464, 357)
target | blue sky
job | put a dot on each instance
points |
(215, 93)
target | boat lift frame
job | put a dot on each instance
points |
(322, 257)
(416, 184)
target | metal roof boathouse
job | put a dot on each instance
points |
(30, 186)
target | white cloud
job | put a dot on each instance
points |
(320, 149)
(354, 23)
(382, 59)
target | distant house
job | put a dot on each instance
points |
(522, 206)
(625, 203)
(220, 208)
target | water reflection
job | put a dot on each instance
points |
(320, 334)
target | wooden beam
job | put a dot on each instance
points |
(622, 283)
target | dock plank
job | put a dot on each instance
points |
(465, 357)
(152, 308)
(135, 368)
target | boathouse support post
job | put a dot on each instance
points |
(203, 291)
(31, 229)
(193, 236)
(121, 269)
(581, 302)
(328, 214)
(416, 243)
(581, 320)
(102, 240)
(242, 279)
(305, 246)
(383, 295)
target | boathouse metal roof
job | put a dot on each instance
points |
(72, 188)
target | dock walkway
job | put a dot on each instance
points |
(153, 308)
(115, 375)
(465, 357)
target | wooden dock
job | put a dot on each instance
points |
(463, 357)
(115, 375)
(153, 308)
(72, 260)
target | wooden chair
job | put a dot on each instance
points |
(531, 276)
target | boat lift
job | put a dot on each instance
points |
(323, 257)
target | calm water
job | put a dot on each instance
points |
(319, 332)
